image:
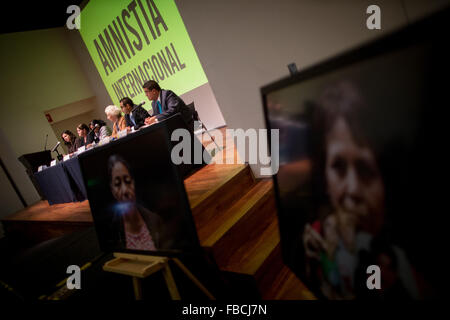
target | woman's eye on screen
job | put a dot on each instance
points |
(339, 166)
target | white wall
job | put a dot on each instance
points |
(9, 200)
(81, 54)
(416, 9)
(245, 44)
(38, 72)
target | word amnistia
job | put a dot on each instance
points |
(120, 40)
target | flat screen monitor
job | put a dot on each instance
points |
(137, 195)
(361, 151)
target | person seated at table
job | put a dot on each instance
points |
(91, 134)
(85, 138)
(165, 103)
(134, 115)
(114, 115)
(100, 130)
(69, 140)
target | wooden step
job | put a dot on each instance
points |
(275, 281)
(245, 240)
(244, 247)
(287, 286)
(210, 233)
(267, 274)
(41, 221)
(224, 185)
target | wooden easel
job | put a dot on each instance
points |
(141, 266)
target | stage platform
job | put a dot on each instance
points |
(234, 214)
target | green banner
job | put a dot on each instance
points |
(133, 42)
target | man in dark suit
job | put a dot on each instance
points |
(134, 115)
(166, 103)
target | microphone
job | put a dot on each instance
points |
(57, 145)
(141, 104)
(45, 146)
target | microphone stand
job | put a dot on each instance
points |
(59, 156)
(45, 146)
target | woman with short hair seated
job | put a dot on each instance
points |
(101, 130)
(114, 115)
(69, 140)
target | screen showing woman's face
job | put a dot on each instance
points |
(122, 184)
(353, 179)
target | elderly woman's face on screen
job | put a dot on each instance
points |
(353, 179)
(122, 183)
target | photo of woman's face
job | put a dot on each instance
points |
(122, 184)
(353, 179)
